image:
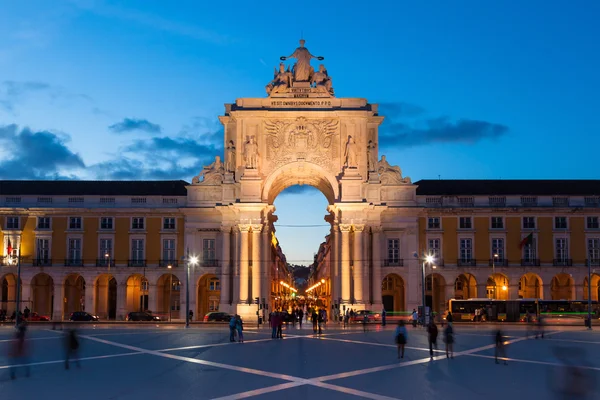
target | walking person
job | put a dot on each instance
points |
(320, 320)
(239, 326)
(314, 319)
(280, 317)
(540, 327)
(432, 331)
(401, 336)
(300, 317)
(71, 347)
(232, 323)
(449, 340)
(500, 347)
(415, 317)
(19, 351)
(383, 315)
(274, 324)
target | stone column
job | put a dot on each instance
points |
(58, 302)
(235, 270)
(25, 296)
(90, 297)
(345, 260)
(225, 266)
(121, 301)
(377, 279)
(358, 264)
(334, 263)
(266, 270)
(152, 295)
(546, 291)
(257, 261)
(243, 259)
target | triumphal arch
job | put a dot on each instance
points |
(301, 134)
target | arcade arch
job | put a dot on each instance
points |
(595, 287)
(530, 286)
(209, 293)
(497, 287)
(8, 294)
(105, 295)
(74, 294)
(465, 286)
(168, 296)
(562, 287)
(42, 294)
(137, 293)
(393, 294)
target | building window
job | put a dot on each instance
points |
(106, 248)
(388, 284)
(43, 223)
(74, 252)
(498, 249)
(208, 250)
(138, 200)
(466, 250)
(13, 200)
(168, 223)
(433, 223)
(528, 222)
(562, 249)
(593, 245)
(44, 200)
(529, 251)
(137, 223)
(213, 304)
(393, 251)
(74, 222)
(43, 251)
(106, 223)
(12, 222)
(169, 200)
(560, 222)
(591, 201)
(433, 248)
(214, 284)
(137, 249)
(465, 223)
(169, 250)
(592, 223)
(497, 223)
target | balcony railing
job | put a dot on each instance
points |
(594, 262)
(466, 262)
(562, 262)
(393, 262)
(166, 263)
(104, 262)
(73, 262)
(498, 262)
(530, 262)
(136, 263)
(209, 263)
(42, 262)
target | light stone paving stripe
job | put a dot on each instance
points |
(520, 360)
(258, 392)
(201, 346)
(72, 360)
(377, 344)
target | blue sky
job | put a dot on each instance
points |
(132, 90)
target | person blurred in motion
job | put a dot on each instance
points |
(540, 326)
(572, 380)
(401, 336)
(19, 351)
(232, 323)
(314, 318)
(415, 317)
(432, 332)
(500, 347)
(71, 347)
(365, 321)
(449, 340)
(239, 326)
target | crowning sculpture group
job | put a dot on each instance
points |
(301, 74)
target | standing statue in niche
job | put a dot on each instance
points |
(321, 80)
(230, 157)
(350, 153)
(212, 174)
(281, 80)
(390, 174)
(302, 69)
(251, 153)
(372, 156)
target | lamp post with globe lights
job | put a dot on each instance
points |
(428, 259)
(193, 260)
(170, 290)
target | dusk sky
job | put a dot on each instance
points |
(132, 90)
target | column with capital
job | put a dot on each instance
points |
(152, 296)
(121, 301)
(377, 280)
(334, 263)
(235, 271)
(243, 260)
(58, 302)
(266, 265)
(226, 277)
(345, 262)
(90, 298)
(358, 264)
(257, 262)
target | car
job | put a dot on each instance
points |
(217, 316)
(83, 316)
(359, 316)
(141, 316)
(37, 317)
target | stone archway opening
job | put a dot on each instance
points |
(8, 294)
(435, 292)
(465, 286)
(497, 287)
(209, 294)
(168, 297)
(562, 287)
(530, 286)
(137, 293)
(105, 295)
(42, 294)
(74, 294)
(393, 295)
(595, 287)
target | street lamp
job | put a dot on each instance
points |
(494, 256)
(428, 259)
(170, 291)
(194, 261)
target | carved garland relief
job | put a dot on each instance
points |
(303, 139)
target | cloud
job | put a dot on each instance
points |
(131, 124)
(11, 92)
(36, 155)
(406, 126)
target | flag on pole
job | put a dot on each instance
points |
(527, 241)
(9, 248)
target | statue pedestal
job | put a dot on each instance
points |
(228, 177)
(373, 177)
(250, 186)
(350, 185)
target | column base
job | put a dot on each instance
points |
(247, 312)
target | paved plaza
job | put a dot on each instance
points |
(153, 362)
